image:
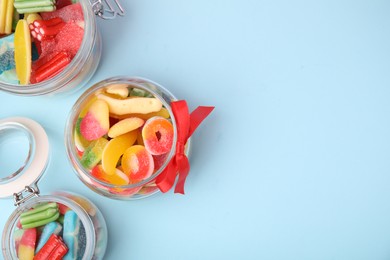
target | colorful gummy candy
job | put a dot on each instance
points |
(41, 235)
(46, 35)
(123, 135)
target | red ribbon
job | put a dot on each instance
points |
(186, 125)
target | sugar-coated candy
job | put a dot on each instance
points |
(71, 233)
(142, 105)
(73, 12)
(18, 233)
(23, 58)
(125, 126)
(6, 16)
(41, 29)
(114, 149)
(48, 230)
(137, 92)
(96, 122)
(118, 89)
(137, 163)
(158, 135)
(31, 17)
(62, 208)
(27, 244)
(53, 249)
(93, 154)
(34, 6)
(7, 61)
(117, 178)
(52, 67)
(40, 215)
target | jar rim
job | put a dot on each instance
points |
(72, 70)
(36, 161)
(69, 140)
(7, 242)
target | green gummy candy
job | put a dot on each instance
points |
(77, 126)
(40, 215)
(35, 3)
(61, 219)
(36, 9)
(139, 93)
(41, 222)
(39, 208)
(93, 154)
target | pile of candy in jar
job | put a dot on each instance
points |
(49, 231)
(38, 38)
(123, 135)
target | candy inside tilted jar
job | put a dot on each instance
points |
(49, 46)
(61, 224)
(120, 135)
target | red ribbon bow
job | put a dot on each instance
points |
(186, 125)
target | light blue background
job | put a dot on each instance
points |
(294, 161)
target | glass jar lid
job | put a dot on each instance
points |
(24, 153)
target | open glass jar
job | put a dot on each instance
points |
(36, 214)
(61, 62)
(121, 135)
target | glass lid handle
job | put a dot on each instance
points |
(26, 194)
(107, 10)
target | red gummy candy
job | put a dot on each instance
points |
(72, 12)
(69, 38)
(62, 3)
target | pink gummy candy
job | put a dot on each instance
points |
(69, 38)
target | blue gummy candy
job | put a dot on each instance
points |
(7, 61)
(71, 234)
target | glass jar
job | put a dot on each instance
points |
(22, 184)
(130, 190)
(79, 70)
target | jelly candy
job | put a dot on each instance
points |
(18, 233)
(70, 234)
(6, 15)
(69, 38)
(23, 52)
(117, 178)
(53, 249)
(139, 93)
(93, 154)
(31, 17)
(41, 29)
(137, 163)
(158, 134)
(48, 230)
(120, 90)
(40, 215)
(96, 122)
(27, 244)
(72, 12)
(115, 149)
(7, 61)
(34, 6)
(140, 105)
(51, 68)
(62, 208)
(125, 126)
